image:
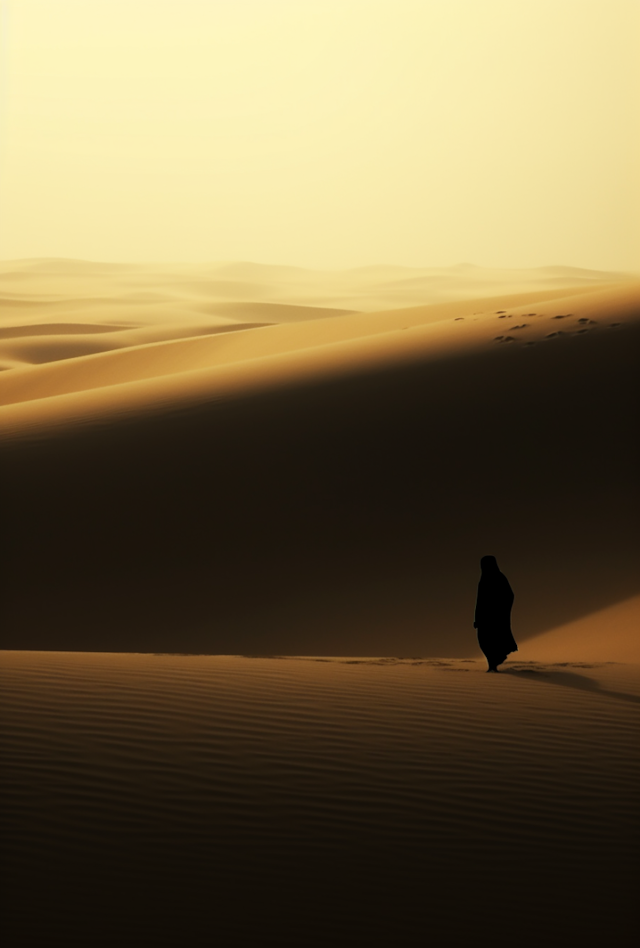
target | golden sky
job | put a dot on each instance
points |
(329, 133)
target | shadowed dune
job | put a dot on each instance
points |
(36, 350)
(327, 486)
(55, 329)
(271, 312)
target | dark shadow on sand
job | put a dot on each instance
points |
(569, 680)
(175, 531)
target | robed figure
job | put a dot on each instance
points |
(493, 614)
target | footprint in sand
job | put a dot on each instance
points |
(523, 326)
(550, 335)
(500, 311)
(458, 318)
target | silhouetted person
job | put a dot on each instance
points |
(493, 614)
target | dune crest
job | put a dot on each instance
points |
(294, 349)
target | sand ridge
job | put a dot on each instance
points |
(339, 343)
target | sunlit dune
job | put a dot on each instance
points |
(161, 347)
(609, 635)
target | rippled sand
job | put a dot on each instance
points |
(197, 800)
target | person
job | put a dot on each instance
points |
(493, 614)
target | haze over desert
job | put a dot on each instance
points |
(319, 337)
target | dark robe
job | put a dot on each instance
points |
(493, 617)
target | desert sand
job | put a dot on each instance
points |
(289, 477)
(188, 800)
(184, 477)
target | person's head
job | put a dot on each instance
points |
(489, 564)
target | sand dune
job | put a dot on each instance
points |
(54, 329)
(363, 288)
(315, 341)
(164, 800)
(610, 635)
(186, 471)
(317, 485)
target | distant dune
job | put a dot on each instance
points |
(360, 288)
(315, 469)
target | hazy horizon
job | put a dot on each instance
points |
(324, 135)
(283, 265)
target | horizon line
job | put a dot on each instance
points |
(372, 266)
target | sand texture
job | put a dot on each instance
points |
(208, 471)
(168, 800)
(233, 460)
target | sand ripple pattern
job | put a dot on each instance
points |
(163, 799)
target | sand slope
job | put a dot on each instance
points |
(165, 800)
(611, 635)
(319, 347)
(316, 485)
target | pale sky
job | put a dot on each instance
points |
(322, 133)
